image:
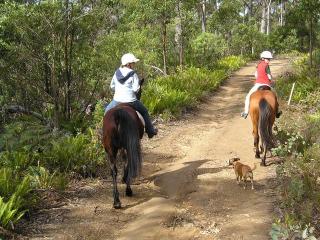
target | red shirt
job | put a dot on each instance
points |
(262, 75)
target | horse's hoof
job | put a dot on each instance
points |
(257, 156)
(263, 164)
(129, 192)
(117, 205)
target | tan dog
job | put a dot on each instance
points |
(242, 171)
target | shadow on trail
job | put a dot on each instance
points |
(178, 183)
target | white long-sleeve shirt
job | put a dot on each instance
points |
(125, 92)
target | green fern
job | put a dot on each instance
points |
(13, 209)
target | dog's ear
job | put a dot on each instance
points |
(232, 160)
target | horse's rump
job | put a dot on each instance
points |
(122, 129)
(109, 117)
(263, 108)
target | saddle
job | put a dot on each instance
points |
(264, 87)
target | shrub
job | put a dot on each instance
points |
(299, 176)
(232, 63)
(207, 48)
(81, 154)
(306, 82)
(172, 94)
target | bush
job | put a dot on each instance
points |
(207, 48)
(306, 82)
(299, 144)
(232, 63)
(299, 177)
(284, 41)
(172, 94)
(82, 154)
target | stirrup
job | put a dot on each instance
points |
(244, 115)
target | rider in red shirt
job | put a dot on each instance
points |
(263, 78)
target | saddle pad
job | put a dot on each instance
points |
(141, 119)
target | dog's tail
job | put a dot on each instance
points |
(254, 167)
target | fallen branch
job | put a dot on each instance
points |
(20, 109)
(156, 68)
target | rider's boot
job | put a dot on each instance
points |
(152, 133)
(278, 114)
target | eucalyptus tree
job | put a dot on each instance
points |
(50, 55)
(303, 16)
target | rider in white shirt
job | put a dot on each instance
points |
(125, 84)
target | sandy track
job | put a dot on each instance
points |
(186, 191)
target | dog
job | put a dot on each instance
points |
(242, 171)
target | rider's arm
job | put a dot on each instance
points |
(135, 83)
(268, 72)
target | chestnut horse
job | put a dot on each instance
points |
(122, 131)
(263, 108)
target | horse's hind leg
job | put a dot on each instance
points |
(125, 178)
(114, 173)
(256, 143)
(264, 157)
(125, 166)
(116, 200)
(125, 174)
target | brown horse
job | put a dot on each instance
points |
(263, 109)
(122, 131)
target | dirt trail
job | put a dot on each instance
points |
(187, 191)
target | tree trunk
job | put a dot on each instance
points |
(68, 42)
(268, 17)
(281, 13)
(55, 86)
(20, 109)
(263, 18)
(203, 16)
(250, 9)
(164, 46)
(311, 42)
(178, 33)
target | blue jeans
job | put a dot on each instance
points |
(112, 104)
(138, 106)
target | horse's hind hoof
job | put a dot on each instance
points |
(117, 205)
(263, 164)
(129, 192)
(257, 156)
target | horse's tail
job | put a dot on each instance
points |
(265, 126)
(130, 140)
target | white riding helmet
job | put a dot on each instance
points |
(266, 54)
(128, 58)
